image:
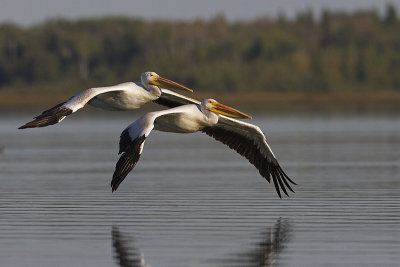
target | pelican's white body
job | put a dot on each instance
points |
(124, 96)
(182, 119)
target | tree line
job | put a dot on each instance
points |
(338, 51)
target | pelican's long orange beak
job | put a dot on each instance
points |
(163, 82)
(228, 111)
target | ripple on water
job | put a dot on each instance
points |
(196, 204)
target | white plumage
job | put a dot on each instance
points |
(247, 139)
(186, 115)
(124, 96)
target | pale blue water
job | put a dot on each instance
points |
(191, 201)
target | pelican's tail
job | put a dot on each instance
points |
(49, 117)
(130, 156)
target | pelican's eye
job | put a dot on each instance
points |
(210, 102)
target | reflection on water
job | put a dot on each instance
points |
(194, 203)
(125, 253)
(261, 254)
(266, 251)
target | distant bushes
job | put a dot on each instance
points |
(337, 52)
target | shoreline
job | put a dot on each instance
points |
(289, 101)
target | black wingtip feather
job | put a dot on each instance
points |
(48, 117)
(127, 161)
(274, 179)
(290, 180)
(279, 177)
(283, 176)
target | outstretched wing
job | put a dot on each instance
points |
(249, 141)
(59, 112)
(133, 137)
(131, 146)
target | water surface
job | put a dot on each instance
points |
(191, 201)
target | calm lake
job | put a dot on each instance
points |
(191, 201)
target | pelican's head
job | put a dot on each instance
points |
(214, 106)
(153, 82)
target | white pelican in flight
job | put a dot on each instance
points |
(247, 139)
(124, 96)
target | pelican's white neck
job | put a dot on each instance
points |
(153, 89)
(146, 78)
(212, 117)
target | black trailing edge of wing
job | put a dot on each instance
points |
(167, 102)
(172, 100)
(268, 168)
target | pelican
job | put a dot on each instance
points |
(124, 96)
(211, 118)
